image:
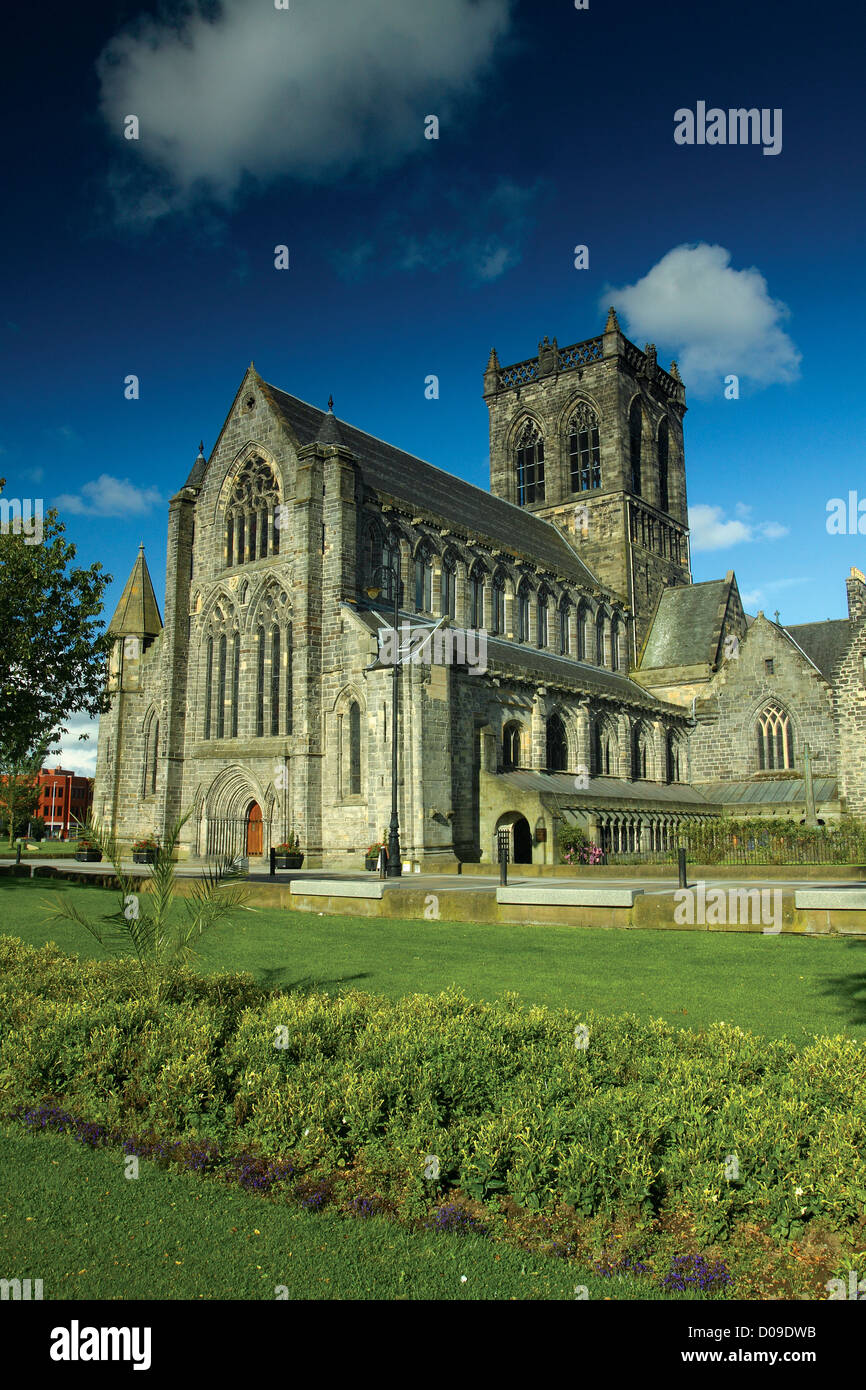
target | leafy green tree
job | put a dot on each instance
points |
(19, 787)
(53, 651)
(159, 933)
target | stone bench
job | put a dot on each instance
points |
(335, 888)
(542, 896)
(831, 899)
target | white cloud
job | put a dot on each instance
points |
(712, 530)
(757, 596)
(716, 320)
(107, 496)
(76, 755)
(310, 92)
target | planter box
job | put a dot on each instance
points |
(288, 861)
(143, 856)
(89, 856)
(371, 863)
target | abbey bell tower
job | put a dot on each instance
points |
(590, 437)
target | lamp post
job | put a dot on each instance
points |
(394, 868)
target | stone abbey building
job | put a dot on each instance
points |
(614, 695)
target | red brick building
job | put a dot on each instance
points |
(64, 799)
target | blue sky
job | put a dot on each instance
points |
(408, 256)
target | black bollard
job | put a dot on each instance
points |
(273, 863)
(18, 853)
(503, 862)
(681, 861)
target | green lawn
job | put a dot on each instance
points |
(771, 985)
(69, 1217)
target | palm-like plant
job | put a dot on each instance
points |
(162, 941)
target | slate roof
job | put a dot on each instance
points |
(824, 643)
(769, 792)
(606, 792)
(425, 487)
(137, 613)
(685, 627)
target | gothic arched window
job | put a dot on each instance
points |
(448, 593)
(354, 749)
(523, 612)
(557, 745)
(208, 685)
(221, 689)
(614, 645)
(564, 626)
(423, 580)
(511, 746)
(260, 681)
(236, 681)
(602, 750)
(252, 514)
(673, 758)
(635, 427)
(373, 543)
(289, 658)
(151, 753)
(583, 449)
(639, 748)
(599, 638)
(476, 596)
(582, 631)
(275, 679)
(664, 444)
(775, 740)
(498, 616)
(541, 624)
(530, 464)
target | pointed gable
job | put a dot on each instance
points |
(689, 624)
(137, 613)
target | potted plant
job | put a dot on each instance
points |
(86, 852)
(371, 858)
(288, 854)
(144, 851)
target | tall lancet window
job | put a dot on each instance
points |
(208, 686)
(530, 464)
(583, 449)
(275, 680)
(635, 428)
(664, 441)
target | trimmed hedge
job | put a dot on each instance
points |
(643, 1122)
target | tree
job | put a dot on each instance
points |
(19, 787)
(148, 925)
(53, 652)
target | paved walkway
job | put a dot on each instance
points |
(457, 882)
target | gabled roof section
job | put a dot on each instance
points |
(425, 487)
(137, 614)
(687, 626)
(825, 644)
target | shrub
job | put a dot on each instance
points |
(644, 1122)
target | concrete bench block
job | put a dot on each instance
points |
(831, 899)
(335, 888)
(541, 896)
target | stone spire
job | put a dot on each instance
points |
(675, 371)
(137, 613)
(492, 376)
(612, 325)
(329, 430)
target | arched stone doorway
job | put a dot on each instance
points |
(520, 837)
(254, 839)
